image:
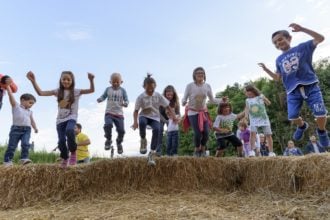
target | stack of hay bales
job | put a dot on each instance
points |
(26, 185)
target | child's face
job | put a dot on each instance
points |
(116, 82)
(150, 88)
(66, 81)
(312, 138)
(290, 144)
(76, 130)
(226, 111)
(169, 95)
(249, 94)
(27, 103)
(241, 128)
(281, 42)
(200, 76)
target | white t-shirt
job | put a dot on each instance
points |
(316, 149)
(224, 121)
(21, 115)
(149, 105)
(65, 110)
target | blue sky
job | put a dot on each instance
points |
(167, 38)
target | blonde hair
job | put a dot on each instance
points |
(116, 75)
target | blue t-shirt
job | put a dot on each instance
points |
(295, 66)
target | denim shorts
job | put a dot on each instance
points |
(313, 97)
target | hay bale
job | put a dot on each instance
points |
(26, 185)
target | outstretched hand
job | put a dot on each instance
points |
(262, 65)
(90, 76)
(295, 27)
(30, 76)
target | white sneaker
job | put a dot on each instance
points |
(252, 153)
(8, 164)
(151, 159)
(271, 154)
(25, 161)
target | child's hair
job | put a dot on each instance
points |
(4, 78)
(253, 89)
(222, 106)
(60, 95)
(174, 103)
(114, 75)
(149, 80)
(243, 123)
(195, 72)
(79, 126)
(285, 33)
(27, 97)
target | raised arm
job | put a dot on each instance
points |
(30, 75)
(11, 96)
(275, 76)
(91, 85)
(317, 38)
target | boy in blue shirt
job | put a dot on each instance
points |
(294, 67)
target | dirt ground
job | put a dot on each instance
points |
(190, 205)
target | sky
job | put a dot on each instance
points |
(166, 38)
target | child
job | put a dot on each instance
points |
(149, 103)
(82, 141)
(116, 99)
(21, 128)
(255, 110)
(291, 150)
(4, 82)
(172, 126)
(264, 149)
(223, 126)
(196, 109)
(314, 146)
(294, 67)
(68, 99)
(244, 135)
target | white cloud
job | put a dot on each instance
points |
(73, 31)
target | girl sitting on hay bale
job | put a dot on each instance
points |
(149, 102)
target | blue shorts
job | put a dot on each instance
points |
(313, 97)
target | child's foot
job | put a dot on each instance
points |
(73, 159)
(107, 145)
(151, 159)
(64, 163)
(119, 148)
(25, 161)
(252, 153)
(298, 134)
(271, 154)
(143, 146)
(8, 163)
(323, 137)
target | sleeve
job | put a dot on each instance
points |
(125, 97)
(104, 95)
(138, 103)
(211, 97)
(186, 94)
(216, 123)
(55, 91)
(163, 101)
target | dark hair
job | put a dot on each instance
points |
(78, 126)
(4, 78)
(60, 95)
(28, 97)
(149, 80)
(285, 33)
(174, 103)
(222, 106)
(195, 72)
(252, 88)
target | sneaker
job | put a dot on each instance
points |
(107, 144)
(271, 154)
(252, 153)
(73, 159)
(324, 138)
(143, 146)
(298, 134)
(119, 148)
(64, 163)
(25, 161)
(8, 163)
(151, 159)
